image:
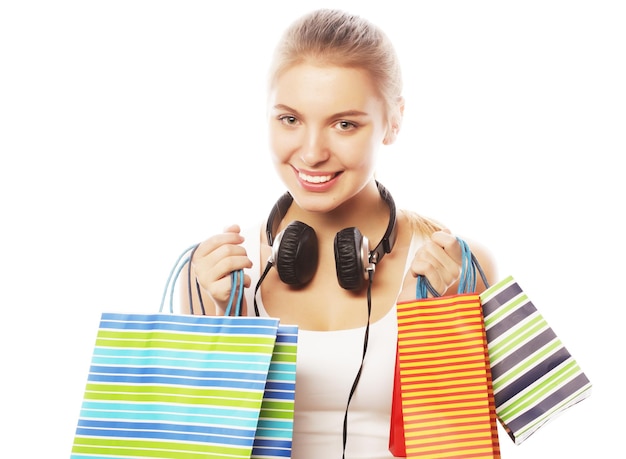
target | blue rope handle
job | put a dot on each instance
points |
(240, 297)
(170, 284)
(237, 287)
(174, 274)
(467, 279)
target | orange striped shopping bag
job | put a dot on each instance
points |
(445, 405)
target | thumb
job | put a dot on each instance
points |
(234, 228)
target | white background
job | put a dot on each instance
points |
(130, 130)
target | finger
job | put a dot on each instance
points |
(209, 271)
(436, 255)
(234, 228)
(220, 289)
(450, 256)
(211, 276)
(433, 271)
(448, 242)
(218, 240)
(439, 268)
(234, 255)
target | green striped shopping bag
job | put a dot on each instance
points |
(534, 375)
(171, 386)
(274, 432)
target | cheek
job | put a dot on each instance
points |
(359, 151)
(281, 143)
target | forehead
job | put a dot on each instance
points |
(326, 88)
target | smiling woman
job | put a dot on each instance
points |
(130, 129)
(335, 99)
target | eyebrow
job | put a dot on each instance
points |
(346, 113)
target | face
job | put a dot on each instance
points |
(326, 126)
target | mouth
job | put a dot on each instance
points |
(317, 181)
(317, 178)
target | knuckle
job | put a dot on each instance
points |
(219, 290)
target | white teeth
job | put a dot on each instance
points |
(315, 178)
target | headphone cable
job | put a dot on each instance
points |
(358, 375)
(365, 343)
(268, 266)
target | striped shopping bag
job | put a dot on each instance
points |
(175, 386)
(446, 405)
(273, 438)
(534, 376)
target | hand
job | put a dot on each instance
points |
(214, 261)
(439, 259)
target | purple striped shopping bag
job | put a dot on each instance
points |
(534, 376)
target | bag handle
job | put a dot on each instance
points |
(236, 278)
(170, 285)
(172, 278)
(467, 280)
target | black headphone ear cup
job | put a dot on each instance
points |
(295, 254)
(349, 258)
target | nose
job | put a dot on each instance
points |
(314, 149)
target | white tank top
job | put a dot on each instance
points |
(327, 364)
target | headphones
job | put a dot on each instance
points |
(295, 251)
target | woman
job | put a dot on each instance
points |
(334, 99)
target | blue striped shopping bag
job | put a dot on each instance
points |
(171, 386)
(274, 432)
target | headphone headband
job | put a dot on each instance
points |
(279, 210)
(391, 233)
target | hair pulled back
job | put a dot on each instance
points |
(336, 38)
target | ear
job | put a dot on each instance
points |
(395, 121)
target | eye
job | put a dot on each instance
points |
(344, 125)
(288, 120)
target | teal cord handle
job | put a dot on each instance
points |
(236, 278)
(240, 296)
(170, 284)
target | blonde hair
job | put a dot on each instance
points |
(420, 224)
(334, 37)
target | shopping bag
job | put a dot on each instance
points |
(274, 434)
(397, 440)
(443, 403)
(184, 386)
(169, 386)
(535, 377)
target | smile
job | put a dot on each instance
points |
(315, 178)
